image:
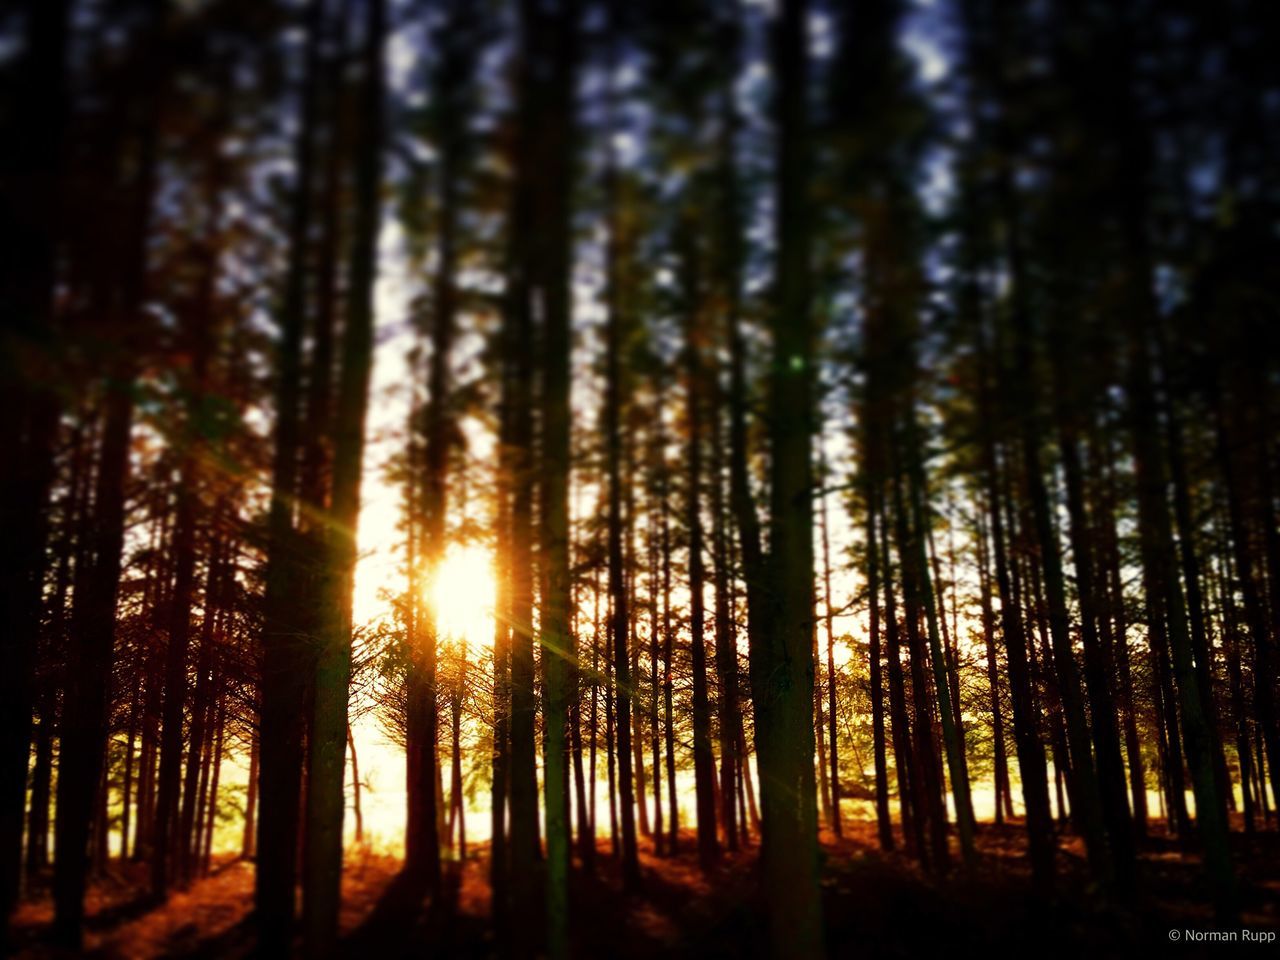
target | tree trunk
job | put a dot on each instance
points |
(555, 160)
(833, 748)
(87, 694)
(326, 781)
(782, 665)
(283, 685)
(30, 173)
(524, 842)
(247, 847)
(703, 756)
(616, 399)
(884, 825)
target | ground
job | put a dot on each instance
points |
(876, 905)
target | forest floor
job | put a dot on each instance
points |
(876, 905)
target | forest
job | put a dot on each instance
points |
(694, 478)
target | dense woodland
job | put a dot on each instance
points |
(868, 410)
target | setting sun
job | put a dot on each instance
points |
(462, 594)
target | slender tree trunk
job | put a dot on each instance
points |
(356, 787)
(911, 798)
(928, 764)
(1003, 794)
(617, 327)
(1114, 630)
(207, 856)
(1087, 803)
(952, 731)
(247, 847)
(877, 719)
(703, 756)
(668, 642)
(884, 824)
(1028, 745)
(655, 650)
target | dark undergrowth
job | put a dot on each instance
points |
(876, 904)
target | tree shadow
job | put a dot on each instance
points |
(236, 940)
(120, 913)
(407, 920)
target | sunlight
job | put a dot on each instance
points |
(462, 593)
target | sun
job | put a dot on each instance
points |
(462, 595)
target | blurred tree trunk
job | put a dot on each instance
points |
(523, 840)
(1087, 801)
(173, 826)
(29, 207)
(283, 685)
(248, 849)
(877, 718)
(781, 656)
(703, 756)
(326, 780)
(203, 712)
(554, 159)
(655, 641)
(884, 825)
(726, 637)
(617, 252)
(1112, 623)
(1003, 793)
(1026, 735)
(668, 639)
(87, 690)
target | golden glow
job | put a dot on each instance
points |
(462, 595)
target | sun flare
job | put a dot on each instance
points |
(462, 594)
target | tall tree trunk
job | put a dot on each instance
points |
(616, 399)
(726, 639)
(326, 779)
(877, 719)
(911, 798)
(355, 787)
(703, 756)
(655, 650)
(555, 161)
(1003, 793)
(884, 824)
(202, 713)
(173, 827)
(247, 847)
(929, 786)
(668, 642)
(283, 685)
(29, 206)
(1097, 660)
(206, 856)
(498, 847)
(1113, 627)
(87, 693)
(523, 786)
(782, 665)
(952, 732)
